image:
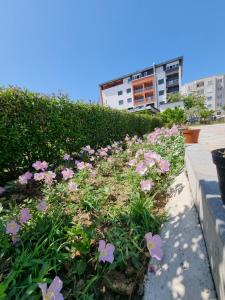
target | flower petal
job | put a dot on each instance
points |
(101, 245)
(157, 253)
(157, 240)
(148, 236)
(56, 285)
(43, 287)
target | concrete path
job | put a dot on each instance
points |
(184, 272)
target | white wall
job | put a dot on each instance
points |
(171, 105)
(160, 74)
(110, 96)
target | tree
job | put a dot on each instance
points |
(173, 116)
(194, 101)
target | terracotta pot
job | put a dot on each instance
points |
(191, 136)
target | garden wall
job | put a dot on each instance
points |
(35, 126)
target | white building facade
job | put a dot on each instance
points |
(144, 89)
(212, 88)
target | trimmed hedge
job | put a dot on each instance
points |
(35, 126)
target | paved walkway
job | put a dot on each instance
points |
(212, 136)
(184, 272)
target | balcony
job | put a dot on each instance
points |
(136, 91)
(172, 82)
(138, 100)
(150, 98)
(149, 87)
(172, 70)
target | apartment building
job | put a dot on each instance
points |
(212, 88)
(144, 89)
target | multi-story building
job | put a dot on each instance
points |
(211, 88)
(144, 89)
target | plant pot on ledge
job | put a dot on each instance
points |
(191, 136)
(218, 157)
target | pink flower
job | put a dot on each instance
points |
(66, 156)
(141, 168)
(53, 292)
(154, 244)
(150, 162)
(164, 165)
(40, 165)
(80, 165)
(25, 215)
(103, 153)
(2, 190)
(106, 251)
(49, 176)
(88, 166)
(67, 174)
(93, 173)
(146, 185)
(42, 206)
(39, 176)
(12, 227)
(88, 149)
(23, 179)
(72, 186)
(132, 162)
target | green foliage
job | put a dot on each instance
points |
(194, 101)
(34, 126)
(173, 116)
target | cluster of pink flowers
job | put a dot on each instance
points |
(82, 165)
(155, 136)
(72, 186)
(88, 149)
(67, 157)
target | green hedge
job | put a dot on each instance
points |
(35, 126)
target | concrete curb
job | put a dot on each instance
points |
(205, 190)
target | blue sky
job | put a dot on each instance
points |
(73, 45)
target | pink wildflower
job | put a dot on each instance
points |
(67, 174)
(49, 176)
(146, 185)
(141, 168)
(23, 179)
(39, 176)
(42, 206)
(40, 165)
(25, 215)
(66, 156)
(2, 190)
(53, 292)
(72, 186)
(164, 165)
(154, 244)
(80, 165)
(132, 162)
(106, 251)
(12, 227)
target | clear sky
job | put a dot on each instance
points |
(73, 45)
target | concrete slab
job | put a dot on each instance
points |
(184, 272)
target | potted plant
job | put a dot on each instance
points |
(218, 157)
(191, 135)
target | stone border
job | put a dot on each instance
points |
(205, 190)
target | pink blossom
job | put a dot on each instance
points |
(154, 244)
(141, 168)
(146, 185)
(103, 153)
(88, 166)
(106, 252)
(67, 174)
(53, 292)
(23, 179)
(25, 215)
(93, 173)
(42, 206)
(66, 156)
(132, 162)
(72, 186)
(49, 176)
(138, 153)
(164, 165)
(2, 190)
(80, 165)
(150, 162)
(88, 149)
(12, 227)
(109, 159)
(39, 176)
(40, 165)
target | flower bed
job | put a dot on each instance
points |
(88, 225)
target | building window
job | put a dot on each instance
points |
(210, 98)
(120, 102)
(160, 81)
(120, 93)
(129, 100)
(128, 91)
(161, 93)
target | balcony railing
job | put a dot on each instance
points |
(138, 90)
(172, 82)
(149, 87)
(139, 100)
(168, 70)
(149, 98)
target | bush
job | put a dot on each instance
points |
(35, 126)
(173, 116)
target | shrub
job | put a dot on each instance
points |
(173, 116)
(35, 126)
